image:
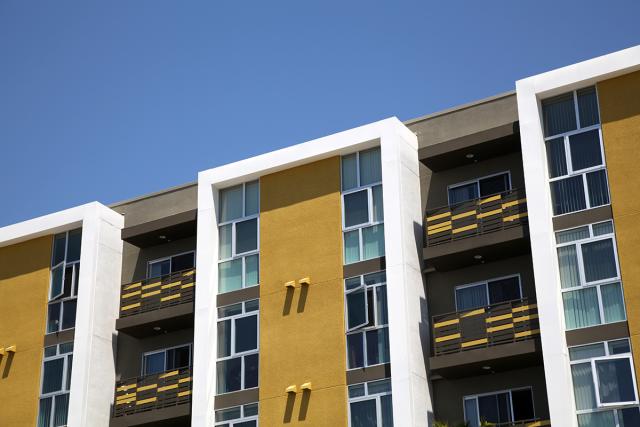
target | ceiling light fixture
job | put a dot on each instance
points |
(470, 155)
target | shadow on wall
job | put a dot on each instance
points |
(7, 366)
(302, 299)
(290, 405)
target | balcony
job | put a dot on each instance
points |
(161, 303)
(157, 399)
(527, 423)
(480, 229)
(493, 338)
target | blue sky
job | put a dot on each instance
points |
(109, 100)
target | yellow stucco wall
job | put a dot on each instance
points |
(24, 282)
(620, 114)
(302, 339)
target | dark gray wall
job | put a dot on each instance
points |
(437, 192)
(135, 259)
(449, 394)
(130, 350)
(441, 285)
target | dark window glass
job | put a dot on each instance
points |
(53, 318)
(599, 260)
(363, 413)
(246, 236)
(462, 193)
(61, 410)
(588, 107)
(630, 417)
(229, 374)
(495, 408)
(246, 333)
(69, 366)
(585, 150)
(556, 158)
(153, 363)
(504, 290)
(182, 262)
(559, 114)
(356, 208)
(386, 409)
(52, 375)
(73, 247)
(178, 358)
(356, 309)
(567, 195)
(56, 282)
(377, 346)
(58, 248)
(615, 381)
(77, 280)
(224, 338)
(246, 424)
(598, 188)
(522, 401)
(160, 268)
(355, 352)
(44, 413)
(494, 185)
(68, 281)
(69, 314)
(251, 371)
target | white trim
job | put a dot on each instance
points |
(545, 263)
(402, 210)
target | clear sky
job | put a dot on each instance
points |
(107, 100)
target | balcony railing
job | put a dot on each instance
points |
(152, 392)
(158, 292)
(536, 422)
(474, 217)
(488, 326)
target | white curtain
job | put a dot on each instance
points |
(471, 297)
(612, 302)
(559, 114)
(370, 166)
(581, 308)
(583, 389)
(568, 264)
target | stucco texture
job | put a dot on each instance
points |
(620, 115)
(24, 282)
(302, 335)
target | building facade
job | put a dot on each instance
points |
(476, 265)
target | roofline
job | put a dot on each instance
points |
(153, 194)
(460, 107)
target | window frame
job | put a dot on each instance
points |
(594, 375)
(486, 287)
(75, 282)
(477, 182)
(243, 418)
(233, 222)
(165, 351)
(581, 273)
(370, 205)
(66, 378)
(363, 329)
(374, 396)
(241, 355)
(168, 258)
(567, 152)
(510, 390)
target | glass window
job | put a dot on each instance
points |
(366, 320)
(462, 193)
(370, 404)
(172, 264)
(491, 292)
(63, 288)
(349, 171)
(370, 166)
(237, 364)
(356, 208)
(494, 184)
(573, 150)
(501, 407)
(238, 416)
(166, 359)
(238, 237)
(481, 187)
(56, 381)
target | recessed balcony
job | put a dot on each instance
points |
(488, 339)
(157, 399)
(477, 230)
(155, 304)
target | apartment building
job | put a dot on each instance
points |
(474, 265)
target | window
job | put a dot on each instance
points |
(167, 359)
(65, 274)
(481, 187)
(370, 404)
(575, 155)
(55, 385)
(363, 213)
(367, 320)
(492, 291)
(238, 416)
(499, 407)
(603, 377)
(589, 276)
(237, 366)
(238, 228)
(172, 264)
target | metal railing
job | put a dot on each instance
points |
(535, 422)
(488, 326)
(150, 392)
(474, 217)
(157, 292)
